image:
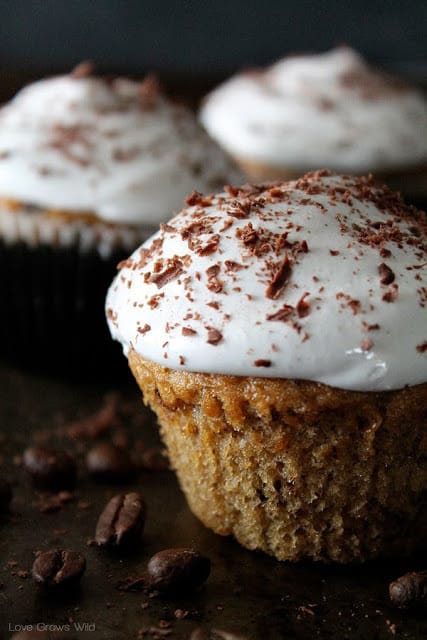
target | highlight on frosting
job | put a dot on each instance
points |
(320, 279)
(311, 111)
(119, 149)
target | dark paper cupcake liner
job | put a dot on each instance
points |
(52, 318)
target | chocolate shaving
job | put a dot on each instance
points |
(280, 279)
(366, 345)
(386, 274)
(303, 307)
(262, 363)
(391, 294)
(283, 315)
(126, 155)
(149, 91)
(239, 209)
(187, 331)
(168, 274)
(144, 329)
(214, 284)
(214, 336)
(83, 70)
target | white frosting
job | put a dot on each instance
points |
(83, 144)
(343, 321)
(326, 110)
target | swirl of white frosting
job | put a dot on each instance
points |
(320, 279)
(118, 149)
(330, 109)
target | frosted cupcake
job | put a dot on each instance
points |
(88, 169)
(326, 110)
(279, 333)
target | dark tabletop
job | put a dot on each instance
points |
(248, 595)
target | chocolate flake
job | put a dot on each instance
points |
(280, 279)
(173, 270)
(262, 363)
(214, 336)
(283, 315)
(214, 284)
(303, 307)
(391, 294)
(83, 70)
(144, 329)
(188, 331)
(386, 274)
(366, 345)
(239, 209)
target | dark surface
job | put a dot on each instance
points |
(193, 37)
(247, 593)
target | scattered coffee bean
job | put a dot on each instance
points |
(58, 568)
(5, 495)
(122, 521)
(181, 568)
(50, 468)
(410, 590)
(108, 463)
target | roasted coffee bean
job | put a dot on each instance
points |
(181, 568)
(410, 590)
(57, 568)
(5, 495)
(122, 521)
(50, 468)
(108, 463)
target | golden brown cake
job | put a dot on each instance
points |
(279, 334)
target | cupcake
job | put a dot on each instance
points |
(331, 109)
(88, 169)
(279, 333)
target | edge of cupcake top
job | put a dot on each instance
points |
(322, 279)
(330, 109)
(117, 148)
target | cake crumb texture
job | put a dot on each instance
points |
(294, 468)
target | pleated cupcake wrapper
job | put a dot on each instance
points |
(55, 278)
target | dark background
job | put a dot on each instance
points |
(207, 40)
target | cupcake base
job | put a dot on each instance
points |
(296, 469)
(54, 320)
(57, 267)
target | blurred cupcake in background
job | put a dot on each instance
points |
(326, 110)
(89, 167)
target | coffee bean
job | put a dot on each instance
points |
(50, 468)
(108, 463)
(5, 495)
(58, 568)
(122, 521)
(181, 568)
(410, 590)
